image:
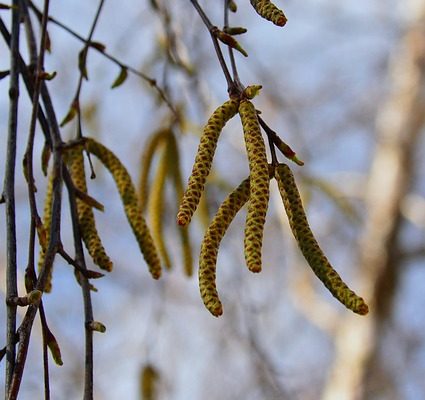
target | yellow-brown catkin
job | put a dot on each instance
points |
(86, 219)
(174, 162)
(156, 206)
(149, 378)
(45, 232)
(269, 11)
(259, 175)
(209, 248)
(146, 162)
(309, 246)
(129, 199)
(203, 160)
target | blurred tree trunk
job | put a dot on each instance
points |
(399, 124)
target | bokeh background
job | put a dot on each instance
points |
(344, 85)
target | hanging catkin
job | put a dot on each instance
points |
(130, 202)
(44, 231)
(176, 175)
(156, 205)
(309, 246)
(211, 242)
(203, 160)
(269, 11)
(259, 175)
(149, 151)
(86, 219)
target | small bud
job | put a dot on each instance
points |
(34, 296)
(233, 6)
(235, 30)
(230, 41)
(96, 326)
(251, 91)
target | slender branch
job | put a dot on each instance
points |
(231, 53)
(24, 71)
(271, 136)
(151, 81)
(230, 84)
(83, 63)
(46, 375)
(24, 330)
(85, 286)
(28, 166)
(9, 196)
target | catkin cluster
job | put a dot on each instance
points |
(254, 191)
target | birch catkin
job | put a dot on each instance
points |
(156, 206)
(44, 231)
(176, 175)
(129, 198)
(86, 219)
(203, 160)
(309, 246)
(259, 175)
(269, 11)
(211, 242)
(146, 162)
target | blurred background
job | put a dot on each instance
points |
(344, 86)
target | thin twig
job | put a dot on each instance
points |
(88, 309)
(83, 65)
(9, 196)
(231, 53)
(151, 81)
(231, 88)
(24, 330)
(271, 136)
(28, 165)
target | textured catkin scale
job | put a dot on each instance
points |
(176, 175)
(156, 206)
(309, 246)
(89, 234)
(269, 11)
(203, 160)
(259, 175)
(211, 242)
(132, 209)
(44, 232)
